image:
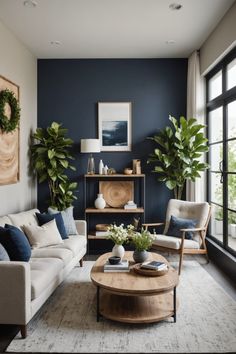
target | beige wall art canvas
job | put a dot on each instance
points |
(9, 142)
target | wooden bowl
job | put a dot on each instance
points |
(114, 260)
(102, 227)
(128, 171)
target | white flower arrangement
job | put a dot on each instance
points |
(119, 234)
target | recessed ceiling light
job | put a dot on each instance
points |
(175, 6)
(170, 41)
(55, 43)
(30, 3)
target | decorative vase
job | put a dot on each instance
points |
(118, 251)
(140, 256)
(100, 202)
(100, 167)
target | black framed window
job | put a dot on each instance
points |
(221, 130)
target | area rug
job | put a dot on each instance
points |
(67, 322)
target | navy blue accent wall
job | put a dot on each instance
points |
(68, 92)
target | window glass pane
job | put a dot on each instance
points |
(231, 109)
(231, 74)
(217, 223)
(216, 188)
(215, 85)
(232, 230)
(216, 156)
(232, 156)
(232, 191)
(216, 125)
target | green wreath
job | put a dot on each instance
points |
(9, 124)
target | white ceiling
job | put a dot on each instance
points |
(112, 28)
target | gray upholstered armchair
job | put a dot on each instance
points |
(185, 228)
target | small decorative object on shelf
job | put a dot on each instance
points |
(137, 167)
(100, 202)
(105, 170)
(128, 171)
(111, 171)
(142, 241)
(130, 205)
(101, 167)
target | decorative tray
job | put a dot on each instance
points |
(149, 272)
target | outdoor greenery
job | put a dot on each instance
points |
(231, 186)
(50, 159)
(178, 152)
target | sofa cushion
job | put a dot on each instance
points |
(73, 243)
(44, 218)
(68, 219)
(45, 235)
(15, 242)
(174, 242)
(176, 224)
(64, 255)
(44, 271)
(3, 254)
(5, 220)
(24, 218)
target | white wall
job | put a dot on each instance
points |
(20, 66)
(220, 41)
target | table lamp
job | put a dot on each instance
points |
(90, 146)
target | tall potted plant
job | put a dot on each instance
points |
(50, 159)
(178, 152)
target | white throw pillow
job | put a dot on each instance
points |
(67, 216)
(45, 235)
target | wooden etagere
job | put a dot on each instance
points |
(91, 188)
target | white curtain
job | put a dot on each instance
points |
(195, 109)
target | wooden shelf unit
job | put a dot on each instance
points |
(92, 182)
(113, 210)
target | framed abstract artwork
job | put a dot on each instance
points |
(114, 126)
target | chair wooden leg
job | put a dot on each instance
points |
(23, 331)
(181, 260)
(205, 248)
(81, 262)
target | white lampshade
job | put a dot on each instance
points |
(90, 145)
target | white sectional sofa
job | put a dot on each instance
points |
(25, 286)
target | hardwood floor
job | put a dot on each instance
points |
(8, 332)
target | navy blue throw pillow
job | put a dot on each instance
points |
(178, 223)
(15, 243)
(44, 218)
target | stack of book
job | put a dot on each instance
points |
(123, 266)
(130, 205)
(154, 265)
(101, 233)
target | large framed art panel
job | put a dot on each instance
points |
(9, 142)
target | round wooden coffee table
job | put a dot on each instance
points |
(134, 298)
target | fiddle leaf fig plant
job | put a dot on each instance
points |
(178, 152)
(51, 158)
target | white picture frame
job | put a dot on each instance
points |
(114, 126)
